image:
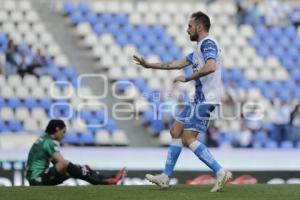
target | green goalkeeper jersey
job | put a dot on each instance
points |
(40, 156)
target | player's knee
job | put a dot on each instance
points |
(62, 166)
(65, 164)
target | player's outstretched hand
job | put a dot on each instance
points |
(180, 78)
(140, 61)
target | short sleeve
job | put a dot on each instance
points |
(51, 147)
(209, 50)
(189, 58)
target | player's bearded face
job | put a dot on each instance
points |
(193, 35)
(192, 30)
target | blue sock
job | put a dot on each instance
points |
(173, 154)
(205, 156)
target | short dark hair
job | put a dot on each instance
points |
(203, 18)
(53, 124)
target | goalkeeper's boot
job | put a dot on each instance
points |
(117, 179)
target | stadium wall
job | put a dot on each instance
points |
(248, 165)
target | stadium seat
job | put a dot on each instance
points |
(122, 85)
(37, 92)
(14, 81)
(32, 17)
(30, 81)
(140, 84)
(286, 144)
(100, 116)
(156, 127)
(119, 138)
(7, 92)
(38, 113)
(111, 126)
(31, 126)
(13, 103)
(18, 141)
(15, 126)
(22, 114)
(131, 73)
(7, 114)
(115, 73)
(78, 126)
(76, 18)
(271, 144)
(83, 29)
(68, 8)
(9, 5)
(86, 138)
(165, 138)
(3, 127)
(257, 145)
(103, 138)
(16, 16)
(71, 138)
(90, 40)
(45, 103)
(91, 18)
(2, 103)
(25, 6)
(3, 16)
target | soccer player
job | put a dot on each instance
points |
(46, 149)
(194, 117)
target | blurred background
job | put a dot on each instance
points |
(73, 60)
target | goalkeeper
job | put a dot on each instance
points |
(46, 149)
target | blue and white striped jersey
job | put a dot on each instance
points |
(207, 88)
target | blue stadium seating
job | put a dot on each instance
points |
(76, 18)
(157, 126)
(45, 103)
(3, 127)
(14, 103)
(91, 18)
(69, 7)
(140, 84)
(83, 7)
(111, 126)
(15, 126)
(86, 138)
(30, 103)
(122, 85)
(286, 144)
(258, 145)
(71, 138)
(281, 42)
(100, 116)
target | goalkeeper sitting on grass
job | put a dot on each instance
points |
(46, 149)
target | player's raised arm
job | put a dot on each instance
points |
(177, 64)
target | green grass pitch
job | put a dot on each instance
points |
(179, 192)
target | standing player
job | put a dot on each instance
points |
(194, 118)
(46, 149)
